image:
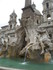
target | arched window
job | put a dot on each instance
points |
(48, 22)
(10, 26)
(37, 21)
(48, 16)
(47, 5)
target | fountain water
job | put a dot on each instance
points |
(25, 54)
(25, 57)
(42, 46)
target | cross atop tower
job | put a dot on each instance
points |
(27, 3)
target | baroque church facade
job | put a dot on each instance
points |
(8, 31)
(48, 17)
(35, 18)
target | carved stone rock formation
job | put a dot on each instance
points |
(37, 40)
(30, 38)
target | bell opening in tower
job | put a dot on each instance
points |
(47, 5)
(48, 16)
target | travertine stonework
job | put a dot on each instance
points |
(37, 38)
(34, 35)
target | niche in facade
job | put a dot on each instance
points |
(50, 35)
(37, 22)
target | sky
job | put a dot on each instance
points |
(7, 7)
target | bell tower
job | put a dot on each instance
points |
(48, 10)
(12, 22)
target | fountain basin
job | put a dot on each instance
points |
(28, 65)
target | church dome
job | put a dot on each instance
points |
(35, 10)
